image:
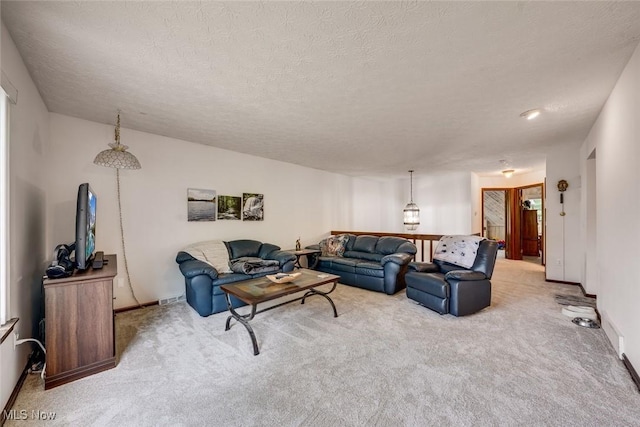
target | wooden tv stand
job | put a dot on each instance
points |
(79, 324)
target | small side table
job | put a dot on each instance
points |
(311, 254)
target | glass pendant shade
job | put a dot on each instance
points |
(117, 156)
(411, 216)
(411, 212)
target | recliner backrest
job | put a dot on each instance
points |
(486, 257)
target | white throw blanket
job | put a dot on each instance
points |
(458, 250)
(213, 252)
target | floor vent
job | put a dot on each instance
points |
(171, 300)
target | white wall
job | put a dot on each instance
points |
(565, 253)
(616, 138)
(29, 141)
(445, 202)
(299, 202)
(588, 220)
(517, 180)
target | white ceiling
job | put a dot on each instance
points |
(360, 88)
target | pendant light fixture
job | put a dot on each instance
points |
(119, 158)
(411, 211)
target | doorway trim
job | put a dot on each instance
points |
(513, 219)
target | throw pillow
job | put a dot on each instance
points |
(334, 245)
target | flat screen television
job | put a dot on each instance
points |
(85, 227)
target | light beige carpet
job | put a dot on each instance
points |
(384, 361)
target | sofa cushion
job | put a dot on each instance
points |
(325, 262)
(225, 279)
(445, 267)
(266, 249)
(431, 283)
(372, 269)
(365, 244)
(389, 245)
(344, 264)
(243, 248)
(363, 255)
(350, 242)
(334, 245)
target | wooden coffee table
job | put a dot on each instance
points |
(260, 290)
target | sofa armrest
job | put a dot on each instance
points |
(316, 247)
(399, 258)
(423, 267)
(281, 256)
(464, 275)
(194, 267)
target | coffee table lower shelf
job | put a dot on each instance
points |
(256, 291)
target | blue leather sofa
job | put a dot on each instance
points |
(371, 262)
(203, 281)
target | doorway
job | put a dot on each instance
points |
(532, 234)
(494, 216)
(514, 217)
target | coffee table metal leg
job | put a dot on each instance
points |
(244, 319)
(324, 294)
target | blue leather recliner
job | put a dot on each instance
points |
(448, 288)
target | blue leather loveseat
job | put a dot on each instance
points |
(370, 262)
(203, 280)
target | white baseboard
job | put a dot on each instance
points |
(613, 333)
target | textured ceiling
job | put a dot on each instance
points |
(361, 88)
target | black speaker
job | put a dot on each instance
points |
(62, 266)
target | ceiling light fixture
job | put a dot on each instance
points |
(531, 114)
(411, 211)
(508, 173)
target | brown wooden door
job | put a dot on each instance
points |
(530, 244)
(514, 240)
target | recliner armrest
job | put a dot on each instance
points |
(423, 267)
(466, 275)
(397, 258)
(195, 267)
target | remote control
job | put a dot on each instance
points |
(98, 261)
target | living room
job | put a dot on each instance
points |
(52, 153)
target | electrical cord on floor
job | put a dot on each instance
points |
(22, 341)
(124, 251)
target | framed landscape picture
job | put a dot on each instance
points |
(252, 207)
(229, 207)
(201, 205)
